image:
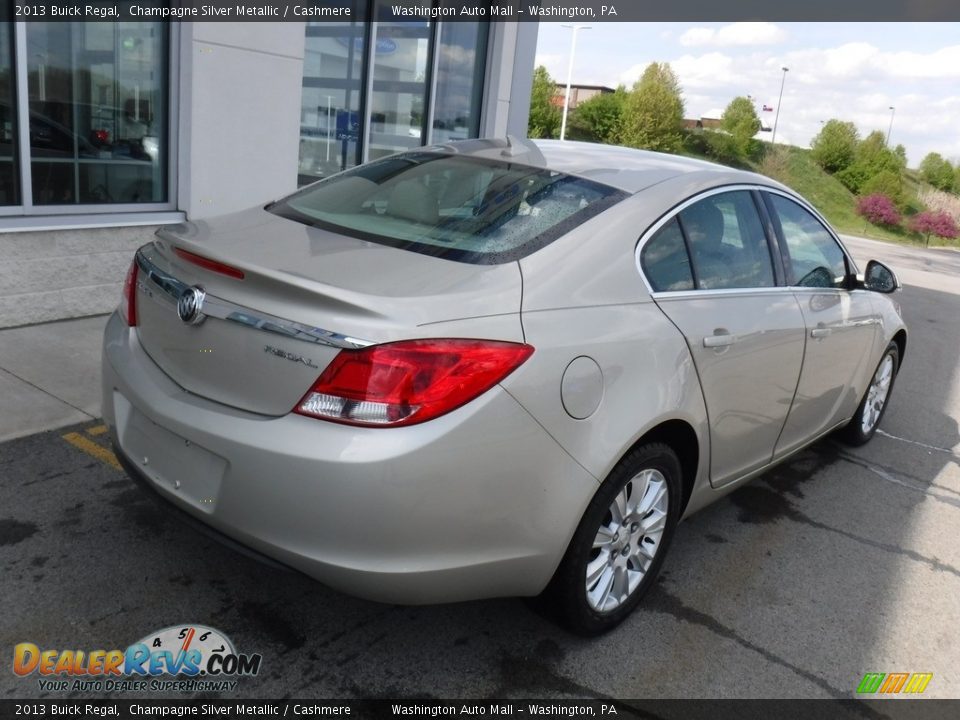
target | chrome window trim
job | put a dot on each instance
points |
(724, 292)
(677, 209)
(171, 289)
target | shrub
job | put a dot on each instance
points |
(934, 223)
(878, 209)
(886, 182)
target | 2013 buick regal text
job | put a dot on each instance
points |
(493, 367)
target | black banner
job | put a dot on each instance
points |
(506, 708)
(505, 10)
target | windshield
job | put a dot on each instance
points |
(460, 208)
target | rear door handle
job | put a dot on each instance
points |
(820, 332)
(715, 341)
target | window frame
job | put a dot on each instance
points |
(775, 242)
(789, 279)
(107, 212)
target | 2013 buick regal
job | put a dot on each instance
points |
(492, 367)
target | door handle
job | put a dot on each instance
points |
(715, 341)
(820, 332)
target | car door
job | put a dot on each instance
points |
(710, 271)
(841, 323)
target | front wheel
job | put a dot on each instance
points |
(867, 418)
(620, 543)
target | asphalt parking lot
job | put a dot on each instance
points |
(840, 562)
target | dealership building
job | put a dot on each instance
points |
(109, 129)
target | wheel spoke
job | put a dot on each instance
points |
(604, 537)
(596, 568)
(599, 593)
(655, 522)
(619, 590)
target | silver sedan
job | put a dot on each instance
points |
(493, 367)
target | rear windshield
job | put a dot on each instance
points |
(460, 208)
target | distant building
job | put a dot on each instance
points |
(579, 93)
(701, 123)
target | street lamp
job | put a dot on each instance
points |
(893, 111)
(776, 119)
(566, 99)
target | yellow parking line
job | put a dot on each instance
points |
(91, 448)
(97, 430)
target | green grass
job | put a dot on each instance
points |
(831, 197)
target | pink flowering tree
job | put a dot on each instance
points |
(930, 223)
(878, 209)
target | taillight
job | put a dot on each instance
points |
(128, 308)
(409, 382)
(208, 264)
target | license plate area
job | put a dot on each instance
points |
(174, 464)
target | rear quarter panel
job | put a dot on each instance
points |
(583, 296)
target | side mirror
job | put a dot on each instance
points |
(879, 278)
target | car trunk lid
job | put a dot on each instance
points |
(305, 294)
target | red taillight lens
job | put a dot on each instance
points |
(128, 308)
(212, 265)
(409, 382)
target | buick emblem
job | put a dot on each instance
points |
(190, 304)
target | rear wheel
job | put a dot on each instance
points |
(867, 418)
(619, 546)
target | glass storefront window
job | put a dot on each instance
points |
(382, 83)
(330, 106)
(460, 69)
(9, 165)
(398, 104)
(98, 109)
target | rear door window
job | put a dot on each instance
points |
(727, 242)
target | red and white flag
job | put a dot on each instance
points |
(767, 108)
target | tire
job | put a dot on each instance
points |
(647, 482)
(870, 412)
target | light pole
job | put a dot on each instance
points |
(893, 111)
(566, 99)
(776, 119)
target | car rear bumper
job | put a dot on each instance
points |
(479, 503)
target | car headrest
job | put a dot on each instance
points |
(413, 201)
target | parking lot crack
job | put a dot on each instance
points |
(663, 601)
(910, 483)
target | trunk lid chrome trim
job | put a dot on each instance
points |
(173, 289)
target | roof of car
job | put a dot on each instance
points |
(624, 168)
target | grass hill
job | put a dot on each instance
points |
(796, 168)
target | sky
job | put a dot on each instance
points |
(850, 71)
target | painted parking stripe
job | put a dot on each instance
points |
(91, 448)
(96, 430)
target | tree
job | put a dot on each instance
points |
(545, 116)
(599, 118)
(901, 152)
(835, 146)
(741, 121)
(872, 157)
(878, 209)
(937, 171)
(653, 115)
(934, 223)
